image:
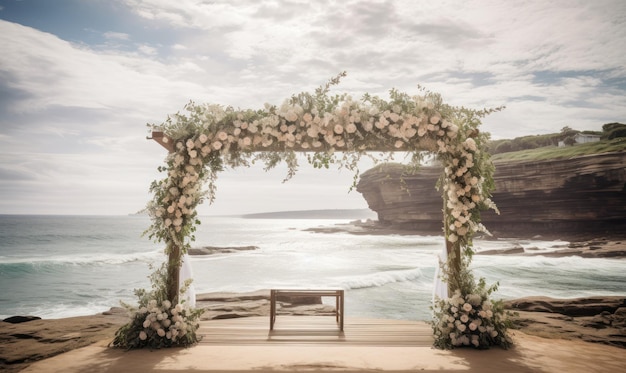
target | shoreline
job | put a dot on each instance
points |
(598, 321)
(585, 245)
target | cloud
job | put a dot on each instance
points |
(73, 114)
(116, 35)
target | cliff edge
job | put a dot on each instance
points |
(580, 196)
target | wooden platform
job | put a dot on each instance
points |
(322, 330)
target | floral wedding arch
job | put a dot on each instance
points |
(330, 129)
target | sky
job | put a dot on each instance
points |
(79, 81)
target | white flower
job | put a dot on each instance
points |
(351, 128)
(464, 318)
(470, 144)
(146, 323)
(452, 238)
(461, 327)
(142, 335)
(467, 307)
(473, 326)
(190, 144)
(161, 332)
(203, 138)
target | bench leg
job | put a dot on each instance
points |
(341, 301)
(272, 309)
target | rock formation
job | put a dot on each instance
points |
(582, 195)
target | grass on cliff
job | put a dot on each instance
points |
(553, 152)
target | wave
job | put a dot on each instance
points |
(380, 278)
(35, 264)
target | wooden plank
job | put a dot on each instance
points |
(315, 330)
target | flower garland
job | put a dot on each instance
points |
(332, 129)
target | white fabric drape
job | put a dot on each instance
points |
(185, 274)
(441, 288)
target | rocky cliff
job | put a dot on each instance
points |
(581, 195)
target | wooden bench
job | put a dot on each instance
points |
(338, 294)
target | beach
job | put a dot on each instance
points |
(568, 296)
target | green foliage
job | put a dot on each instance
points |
(610, 127)
(156, 322)
(617, 132)
(554, 152)
(567, 135)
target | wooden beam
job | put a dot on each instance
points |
(164, 140)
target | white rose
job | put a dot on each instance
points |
(161, 332)
(142, 335)
(470, 144)
(467, 307)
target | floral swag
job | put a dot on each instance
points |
(330, 129)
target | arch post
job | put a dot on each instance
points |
(173, 259)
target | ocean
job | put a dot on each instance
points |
(62, 266)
